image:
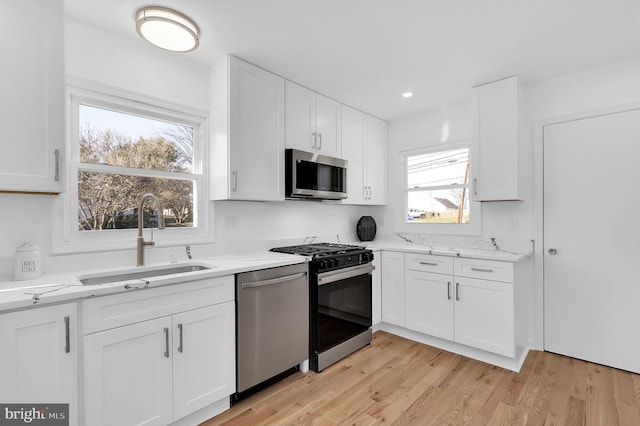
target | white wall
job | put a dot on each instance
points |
(581, 94)
(93, 55)
(616, 84)
(590, 90)
(243, 221)
(452, 123)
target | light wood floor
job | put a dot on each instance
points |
(397, 381)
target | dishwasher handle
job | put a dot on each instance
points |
(273, 281)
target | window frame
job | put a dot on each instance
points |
(473, 228)
(67, 237)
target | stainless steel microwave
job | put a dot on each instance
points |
(313, 176)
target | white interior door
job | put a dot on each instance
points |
(591, 205)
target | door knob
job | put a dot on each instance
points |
(553, 251)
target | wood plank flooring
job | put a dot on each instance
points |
(401, 382)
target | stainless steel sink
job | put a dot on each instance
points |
(134, 274)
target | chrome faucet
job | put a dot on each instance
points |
(141, 242)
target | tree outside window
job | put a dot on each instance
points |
(123, 156)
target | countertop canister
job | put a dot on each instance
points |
(27, 263)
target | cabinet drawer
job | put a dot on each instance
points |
(107, 312)
(429, 263)
(483, 269)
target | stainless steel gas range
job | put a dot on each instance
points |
(339, 298)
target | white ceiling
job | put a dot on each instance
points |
(365, 53)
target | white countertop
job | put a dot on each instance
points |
(66, 286)
(60, 287)
(465, 252)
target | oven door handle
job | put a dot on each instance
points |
(343, 274)
(273, 281)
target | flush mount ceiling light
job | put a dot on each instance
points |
(167, 29)
(407, 95)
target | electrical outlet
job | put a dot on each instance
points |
(513, 224)
(230, 223)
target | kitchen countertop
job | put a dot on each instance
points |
(66, 286)
(61, 287)
(465, 252)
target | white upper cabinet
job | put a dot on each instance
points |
(312, 121)
(32, 103)
(495, 140)
(375, 159)
(247, 137)
(364, 145)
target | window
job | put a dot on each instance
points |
(122, 149)
(436, 191)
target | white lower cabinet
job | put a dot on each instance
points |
(128, 376)
(203, 373)
(484, 316)
(160, 370)
(429, 303)
(392, 274)
(470, 302)
(39, 357)
(376, 290)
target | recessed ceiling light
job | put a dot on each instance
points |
(167, 29)
(407, 94)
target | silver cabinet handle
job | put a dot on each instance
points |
(475, 186)
(67, 336)
(56, 174)
(448, 290)
(180, 346)
(364, 192)
(315, 140)
(457, 291)
(320, 135)
(553, 251)
(166, 342)
(429, 263)
(481, 269)
(272, 281)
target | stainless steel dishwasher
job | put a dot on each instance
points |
(272, 324)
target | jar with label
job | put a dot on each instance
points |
(27, 263)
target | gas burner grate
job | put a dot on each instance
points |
(317, 249)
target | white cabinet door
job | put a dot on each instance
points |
(300, 120)
(39, 357)
(495, 141)
(32, 101)
(203, 357)
(375, 160)
(376, 290)
(364, 145)
(393, 310)
(429, 303)
(484, 315)
(353, 152)
(312, 121)
(247, 154)
(328, 119)
(128, 375)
